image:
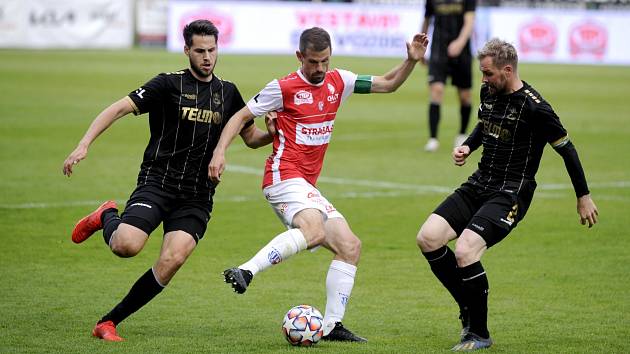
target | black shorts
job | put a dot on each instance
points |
(459, 69)
(148, 206)
(490, 214)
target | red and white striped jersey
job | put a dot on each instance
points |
(305, 122)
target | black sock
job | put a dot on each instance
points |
(110, 221)
(476, 293)
(434, 118)
(444, 266)
(464, 112)
(145, 289)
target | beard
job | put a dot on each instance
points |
(317, 78)
(199, 71)
(499, 88)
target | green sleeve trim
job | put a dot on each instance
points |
(363, 84)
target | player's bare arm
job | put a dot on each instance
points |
(105, 119)
(270, 122)
(395, 77)
(585, 206)
(232, 128)
(255, 137)
(455, 47)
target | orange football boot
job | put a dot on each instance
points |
(91, 223)
(106, 331)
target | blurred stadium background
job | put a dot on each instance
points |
(556, 287)
(574, 31)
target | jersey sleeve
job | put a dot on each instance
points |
(269, 99)
(428, 9)
(349, 83)
(548, 124)
(148, 95)
(469, 5)
(237, 104)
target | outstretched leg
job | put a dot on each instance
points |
(432, 239)
(176, 248)
(308, 233)
(468, 250)
(340, 279)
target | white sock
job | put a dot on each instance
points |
(277, 250)
(339, 283)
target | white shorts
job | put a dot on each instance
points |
(291, 196)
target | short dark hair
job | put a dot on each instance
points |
(316, 39)
(200, 27)
(501, 52)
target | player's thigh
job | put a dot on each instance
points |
(177, 246)
(290, 197)
(458, 208)
(499, 215)
(434, 233)
(341, 240)
(145, 208)
(128, 239)
(310, 221)
(190, 215)
(438, 71)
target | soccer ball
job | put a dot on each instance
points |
(303, 325)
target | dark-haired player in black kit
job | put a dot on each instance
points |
(187, 112)
(515, 125)
(453, 24)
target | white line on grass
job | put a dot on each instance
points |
(395, 190)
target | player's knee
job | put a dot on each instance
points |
(125, 247)
(314, 236)
(350, 249)
(429, 238)
(172, 261)
(464, 253)
(353, 247)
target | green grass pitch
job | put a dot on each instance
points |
(555, 286)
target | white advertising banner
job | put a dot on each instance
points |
(275, 27)
(564, 36)
(66, 24)
(151, 22)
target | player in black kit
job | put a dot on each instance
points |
(453, 24)
(187, 112)
(515, 124)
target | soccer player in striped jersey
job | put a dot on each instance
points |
(515, 124)
(187, 111)
(306, 102)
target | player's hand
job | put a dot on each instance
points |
(74, 158)
(455, 48)
(270, 122)
(460, 154)
(587, 210)
(216, 167)
(417, 47)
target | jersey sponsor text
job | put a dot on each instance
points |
(314, 134)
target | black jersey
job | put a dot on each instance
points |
(186, 117)
(513, 130)
(448, 22)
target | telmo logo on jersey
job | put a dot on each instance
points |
(303, 97)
